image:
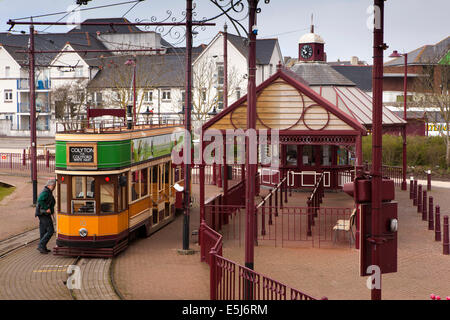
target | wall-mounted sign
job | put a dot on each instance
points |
(81, 154)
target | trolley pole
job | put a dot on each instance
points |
(250, 167)
(187, 125)
(31, 66)
(377, 113)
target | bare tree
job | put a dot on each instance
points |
(70, 102)
(207, 91)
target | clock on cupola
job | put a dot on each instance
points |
(311, 47)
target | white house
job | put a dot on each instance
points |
(211, 60)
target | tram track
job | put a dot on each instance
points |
(97, 281)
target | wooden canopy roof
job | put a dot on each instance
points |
(286, 103)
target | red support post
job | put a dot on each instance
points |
(276, 202)
(270, 208)
(437, 228)
(430, 214)
(263, 219)
(310, 213)
(281, 196)
(419, 199)
(213, 275)
(47, 158)
(24, 157)
(446, 245)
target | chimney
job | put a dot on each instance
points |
(354, 61)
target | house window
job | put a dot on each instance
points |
(166, 95)
(220, 98)
(183, 96)
(148, 96)
(270, 69)
(203, 93)
(98, 97)
(291, 155)
(238, 93)
(7, 70)
(78, 71)
(220, 73)
(8, 96)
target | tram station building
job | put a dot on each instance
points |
(321, 117)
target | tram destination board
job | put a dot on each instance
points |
(82, 154)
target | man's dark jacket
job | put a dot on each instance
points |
(45, 201)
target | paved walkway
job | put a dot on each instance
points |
(24, 272)
(16, 211)
(151, 268)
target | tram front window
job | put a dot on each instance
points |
(83, 194)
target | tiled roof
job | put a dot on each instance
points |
(49, 41)
(105, 28)
(360, 75)
(320, 74)
(166, 70)
(428, 54)
(264, 47)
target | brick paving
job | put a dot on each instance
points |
(151, 268)
(16, 209)
(26, 274)
(95, 280)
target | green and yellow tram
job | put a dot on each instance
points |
(112, 182)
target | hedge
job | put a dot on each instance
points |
(420, 151)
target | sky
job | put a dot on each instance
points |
(409, 24)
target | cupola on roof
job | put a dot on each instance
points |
(311, 38)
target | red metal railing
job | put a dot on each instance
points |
(394, 173)
(22, 161)
(227, 284)
(236, 174)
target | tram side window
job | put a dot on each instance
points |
(122, 192)
(62, 197)
(144, 182)
(107, 197)
(134, 186)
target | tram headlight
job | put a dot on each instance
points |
(83, 232)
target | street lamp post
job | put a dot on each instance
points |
(395, 54)
(133, 63)
(32, 86)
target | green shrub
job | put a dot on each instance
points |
(421, 151)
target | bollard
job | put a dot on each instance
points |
(419, 198)
(429, 180)
(411, 188)
(430, 214)
(263, 219)
(437, 228)
(415, 193)
(424, 205)
(446, 236)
